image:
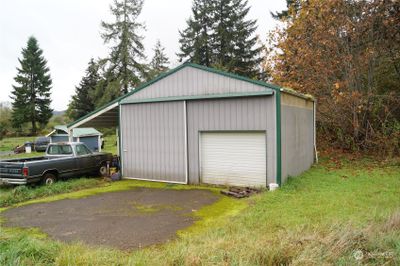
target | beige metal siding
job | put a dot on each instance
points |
(239, 114)
(191, 81)
(297, 136)
(153, 141)
(233, 158)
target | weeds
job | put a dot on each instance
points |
(10, 196)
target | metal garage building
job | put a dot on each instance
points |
(195, 124)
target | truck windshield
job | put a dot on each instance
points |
(59, 149)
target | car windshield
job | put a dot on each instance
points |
(59, 149)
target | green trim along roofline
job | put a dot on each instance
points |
(276, 88)
(172, 71)
(199, 97)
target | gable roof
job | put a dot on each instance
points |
(115, 103)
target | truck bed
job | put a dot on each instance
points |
(22, 160)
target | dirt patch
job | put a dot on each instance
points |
(126, 219)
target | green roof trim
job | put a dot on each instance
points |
(95, 111)
(117, 100)
(172, 71)
(298, 94)
(199, 97)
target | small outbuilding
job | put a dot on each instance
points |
(59, 134)
(196, 124)
(89, 136)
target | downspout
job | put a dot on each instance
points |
(278, 139)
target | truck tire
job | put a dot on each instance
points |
(103, 170)
(49, 179)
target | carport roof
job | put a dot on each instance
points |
(108, 115)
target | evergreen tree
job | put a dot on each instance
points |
(219, 35)
(124, 69)
(83, 101)
(31, 97)
(285, 14)
(159, 63)
(195, 40)
(234, 43)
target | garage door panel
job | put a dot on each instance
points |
(233, 158)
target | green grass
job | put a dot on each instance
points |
(110, 144)
(8, 144)
(22, 155)
(321, 217)
(13, 195)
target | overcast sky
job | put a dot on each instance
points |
(68, 31)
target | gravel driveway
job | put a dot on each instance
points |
(125, 219)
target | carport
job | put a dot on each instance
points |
(104, 117)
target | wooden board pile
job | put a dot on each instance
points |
(240, 192)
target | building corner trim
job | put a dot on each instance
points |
(186, 143)
(120, 141)
(278, 139)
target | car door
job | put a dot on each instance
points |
(62, 159)
(85, 158)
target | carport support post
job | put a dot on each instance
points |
(117, 134)
(99, 142)
(70, 135)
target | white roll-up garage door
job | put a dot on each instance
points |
(233, 158)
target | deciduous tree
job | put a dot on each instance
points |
(346, 53)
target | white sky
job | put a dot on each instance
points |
(68, 32)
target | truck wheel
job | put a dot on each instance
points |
(49, 179)
(103, 170)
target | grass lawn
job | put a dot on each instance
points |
(110, 144)
(21, 155)
(8, 144)
(338, 207)
(10, 195)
